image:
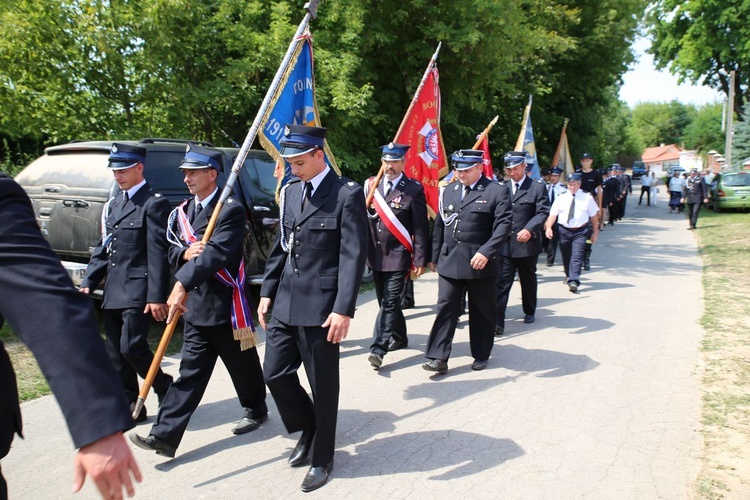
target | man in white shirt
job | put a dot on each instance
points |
(572, 211)
(646, 181)
(554, 189)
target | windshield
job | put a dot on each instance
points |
(735, 180)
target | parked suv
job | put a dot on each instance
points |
(70, 184)
(639, 168)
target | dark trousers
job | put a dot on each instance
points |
(552, 246)
(694, 209)
(287, 347)
(572, 248)
(201, 347)
(407, 294)
(390, 322)
(624, 203)
(482, 303)
(647, 190)
(526, 267)
(612, 213)
(127, 346)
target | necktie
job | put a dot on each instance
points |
(572, 210)
(198, 209)
(125, 196)
(518, 184)
(466, 192)
(552, 194)
(307, 194)
(388, 187)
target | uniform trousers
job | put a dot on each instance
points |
(482, 302)
(694, 209)
(390, 322)
(287, 347)
(573, 248)
(127, 346)
(526, 268)
(407, 295)
(552, 246)
(201, 347)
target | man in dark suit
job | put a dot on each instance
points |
(612, 192)
(213, 274)
(695, 194)
(56, 322)
(399, 238)
(312, 278)
(521, 250)
(132, 256)
(474, 220)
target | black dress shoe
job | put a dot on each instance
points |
(499, 330)
(248, 424)
(529, 318)
(316, 477)
(153, 443)
(300, 452)
(479, 365)
(436, 365)
(141, 416)
(407, 305)
(395, 345)
(375, 359)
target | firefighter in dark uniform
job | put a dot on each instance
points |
(216, 311)
(694, 194)
(56, 322)
(312, 278)
(132, 256)
(520, 252)
(591, 183)
(474, 220)
(612, 191)
(399, 238)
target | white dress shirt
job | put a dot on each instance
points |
(585, 208)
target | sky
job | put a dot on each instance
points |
(643, 83)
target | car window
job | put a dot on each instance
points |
(260, 174)
(737, 180)
(164, 175)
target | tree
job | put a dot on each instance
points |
(704, 133)
(741, 140)
(702, 41)
(654, 123)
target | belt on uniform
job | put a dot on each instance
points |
(575, 228)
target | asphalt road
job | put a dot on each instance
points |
(599, 398)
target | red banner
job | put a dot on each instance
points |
(426, 159)
(486, 158)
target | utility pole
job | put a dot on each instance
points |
(730, 115)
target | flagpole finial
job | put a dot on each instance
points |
(494, 120)
(312, 8)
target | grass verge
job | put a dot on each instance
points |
(724, 245)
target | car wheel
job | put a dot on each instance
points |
(717, 208)
(367, 275)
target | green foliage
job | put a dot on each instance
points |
(654, 123)
(704, 133)
(741, 140)
(86, 69)
(701, 41)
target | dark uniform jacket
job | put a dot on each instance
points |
(385, 252)
(56, 322)
(482, 225)
(323, 272)
(530, 207)
(695, 190)
(612, 189)
(136, 266)
(210, 301)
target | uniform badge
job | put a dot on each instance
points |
(287, 132)
(114, 148)
(351, 183)
(481, 201)
(187, 148)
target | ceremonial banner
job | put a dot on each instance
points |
(562, 158)
(426, 158)
(293, 102)
(486, 158)
(526, 141)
